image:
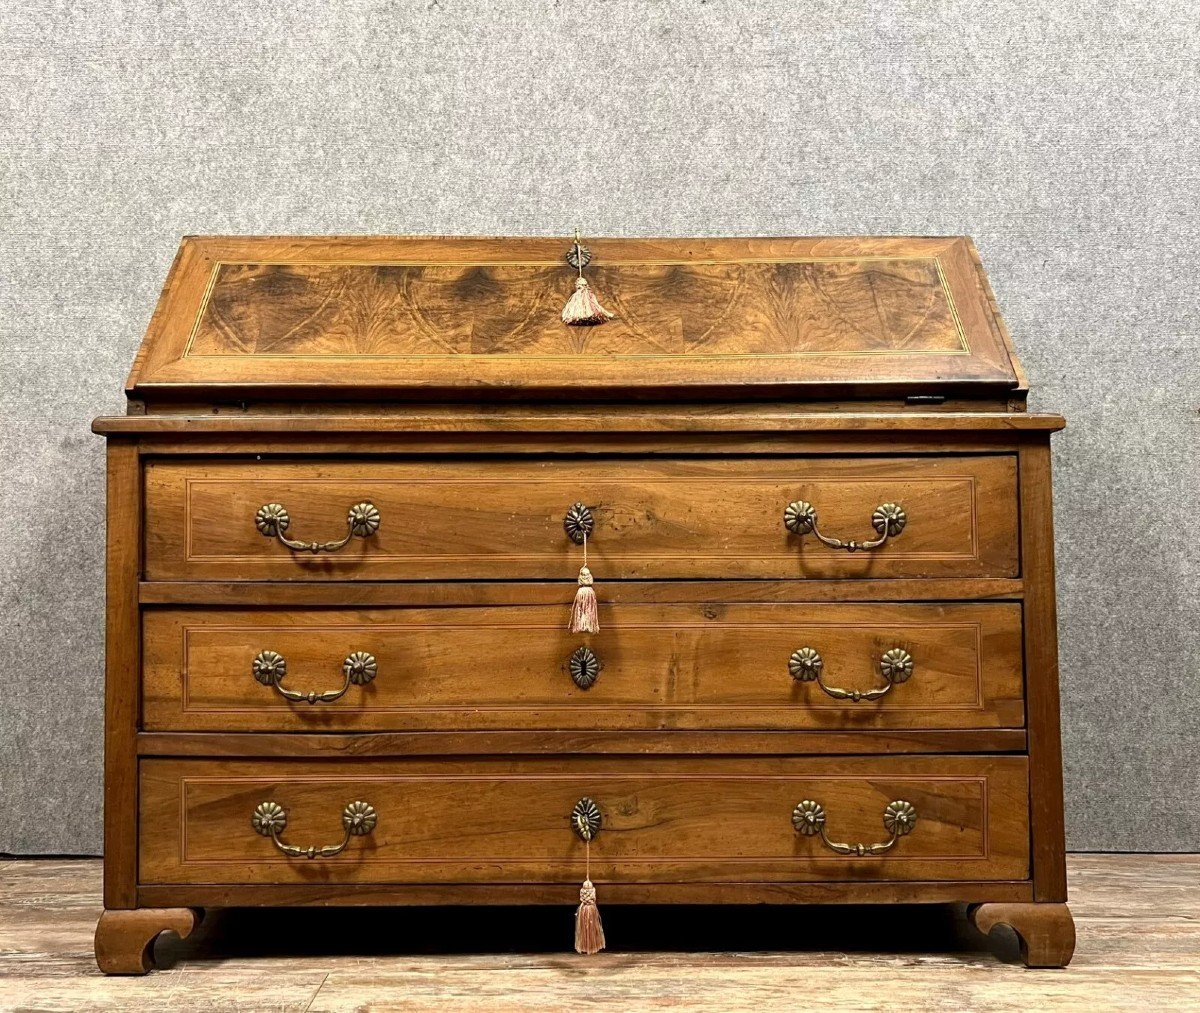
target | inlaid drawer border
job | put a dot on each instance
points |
(977, 703)
(982, 781)
(571, 485)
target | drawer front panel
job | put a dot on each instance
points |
(654, 666)
(503, 519)
(663, 820)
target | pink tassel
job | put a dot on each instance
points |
(585, 616)
(583, 309)
(589, 933)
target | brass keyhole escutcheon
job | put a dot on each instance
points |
(584, 667)
(579, 522)
(586, 819)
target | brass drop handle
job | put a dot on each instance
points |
(895, 665)
(888, 520)
(270, 820)
(272, 520)
(586, 820)
(269, 668)
(899, 818)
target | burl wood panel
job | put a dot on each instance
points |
(383, 313)
(662, 667)
(655, 518)
(662, 309)
(665, 820)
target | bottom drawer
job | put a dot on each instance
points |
(662, 819)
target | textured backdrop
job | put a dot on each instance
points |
(1062, 136)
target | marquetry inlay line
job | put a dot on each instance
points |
(376, 630)
(707, 477)
(597, 265)
(980, 783)
(785, 484)
(208, 288)
(343, 563)
(962, 334)
(963, 349)
(571, 709)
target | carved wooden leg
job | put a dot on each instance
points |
(125, 939)
(1046, 931)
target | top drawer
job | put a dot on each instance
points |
(503, 518)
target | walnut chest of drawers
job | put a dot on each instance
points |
(345, 516)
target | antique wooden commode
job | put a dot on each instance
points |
(345, 516)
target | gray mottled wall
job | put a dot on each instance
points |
(1062, 136)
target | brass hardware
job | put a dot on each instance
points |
(896, 666)
(586, 819)
(272, 520)
(579, 522)
(270, 820)
(899, 818)
(584, 667)
(578, 256)
(888, 520)
(269, 668)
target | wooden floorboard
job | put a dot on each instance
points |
(1138, 919)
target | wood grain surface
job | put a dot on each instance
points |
(441, 594)
(584, 742)
(738, 376)
(660, 666)
(1041, 655)
(483, 314)
(503, 518)
(125, 939)
(420, 311)
(950, 421)
(122, 669)
(1046, 931)
(1138, 949)
(666, 819)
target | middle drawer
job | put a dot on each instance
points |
(652, 666)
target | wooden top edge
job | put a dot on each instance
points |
(567, 237)
(604, 420)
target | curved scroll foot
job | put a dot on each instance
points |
(1046, 931)
(125, 939)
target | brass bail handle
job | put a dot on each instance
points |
(273, 520)
(899, 818)
(269, 668)
(888, 520)
(895, 665)
(270, 820)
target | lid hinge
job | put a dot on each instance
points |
(917, 399)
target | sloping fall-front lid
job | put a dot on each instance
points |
(370, 316)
